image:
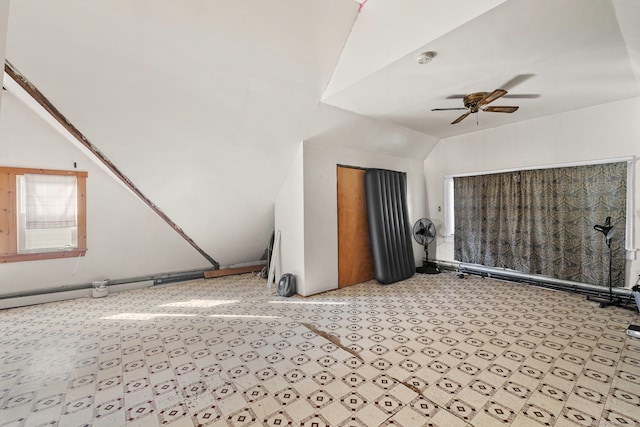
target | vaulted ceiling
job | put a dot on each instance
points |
(551, 56)
(203, 104)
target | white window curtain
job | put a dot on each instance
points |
(51, 201)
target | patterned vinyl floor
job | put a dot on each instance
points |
(435, 350)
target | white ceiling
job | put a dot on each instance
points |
(203, 104)
(572, 53)
(229, 70)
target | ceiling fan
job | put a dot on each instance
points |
(478, 101)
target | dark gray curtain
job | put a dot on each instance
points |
(541, 221)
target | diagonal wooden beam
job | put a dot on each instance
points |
(21, 80)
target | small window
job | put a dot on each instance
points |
(42, 214)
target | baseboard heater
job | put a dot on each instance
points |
(19, 299)
(538, 280)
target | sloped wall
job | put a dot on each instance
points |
(125, 238)
(202, 104)
(4, 18)
(602, 132)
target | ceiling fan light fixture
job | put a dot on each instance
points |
(426, 57)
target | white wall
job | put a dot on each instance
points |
(4, 18)
(602, 132)
(320, 205)
(202, 104)
(124, 237)
(289, 219)
(339, 137)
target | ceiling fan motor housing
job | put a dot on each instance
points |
(471, 101)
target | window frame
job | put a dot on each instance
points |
(630, 250)
(9, 218)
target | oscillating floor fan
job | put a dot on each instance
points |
(424, 232)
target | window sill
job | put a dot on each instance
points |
(71, 253)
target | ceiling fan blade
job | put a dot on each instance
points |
(501, 109)
(492, 96)
(516, 81)
(523, 96)
(456, 96)
(447, 109)
(461, 118)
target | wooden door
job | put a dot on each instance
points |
(354, 250)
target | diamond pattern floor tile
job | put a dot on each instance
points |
(434, 350)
